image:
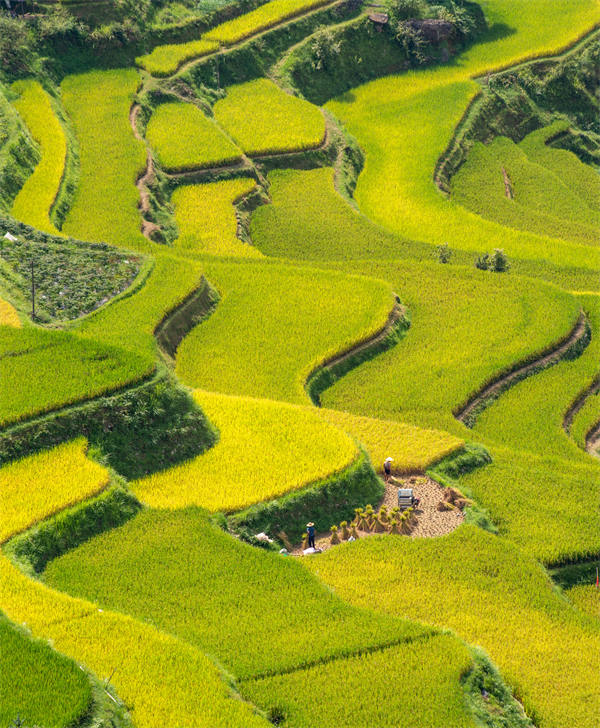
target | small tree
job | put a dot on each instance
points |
(499, 262)
(483, 262)
(444, 253)
(325, 48)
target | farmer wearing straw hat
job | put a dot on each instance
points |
(387, 468)
(310, 529)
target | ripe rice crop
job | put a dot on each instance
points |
(255, 611)
(52, 480)
(490, 594)
(206, 218)
(9, 315)
(131, 321)
(542, 202)
(580, 178)
(526, 493)
(166, 59)
(404, 123)
(265, 449)
(265, 16)
(412, 448)
(280, 323)
(35, 200)
(183, 138)
(156, 674)
(530, 415)
(38, 685)
(418, 683)
(293, 226)
(466, 327)
(105, 205)
(586, 598)
(56, 369)
(263, 119)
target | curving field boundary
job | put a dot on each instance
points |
(569, 347)
(592, 438)
(330, 370)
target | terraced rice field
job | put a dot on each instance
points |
(257, 276)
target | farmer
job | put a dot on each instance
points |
(310, 529)
(387, 468)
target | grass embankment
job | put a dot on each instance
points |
(265, 449)
(312, 315)
(513, 612)
(183, 138)
(263, 119)
(105, 205)
(396, 188)
(207, 221)
(36, 198)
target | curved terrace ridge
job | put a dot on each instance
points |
(577, 339)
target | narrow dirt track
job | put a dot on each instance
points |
(467, 414)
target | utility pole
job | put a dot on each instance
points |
(32, 290)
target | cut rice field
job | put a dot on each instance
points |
(264, 17)
(537, 199)
(252, 610)
(396, 188)
(111, 158)
(206, 218)
(52, 479)
(417, 683)
(312, 316)
(36, 198)
(37, 684)
(263, 119)
(534, 636)
(412, 448)
(167, 59)
(183, 138)
(265, 449)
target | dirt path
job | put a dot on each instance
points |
(146, 178)
(395, 317)
(592, 440)
(468, 412)
(430, 522)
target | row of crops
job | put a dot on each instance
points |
(184, 624)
